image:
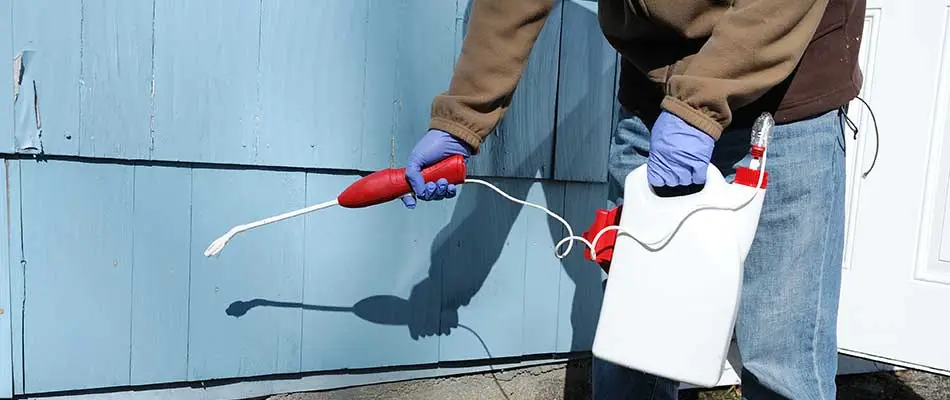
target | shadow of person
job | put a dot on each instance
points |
(470, 245)
(466, 249)
(463, 254)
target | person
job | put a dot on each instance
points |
(693, 77)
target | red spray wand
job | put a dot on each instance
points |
(376, 188)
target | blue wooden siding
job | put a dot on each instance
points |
(115, 79)
(586, 98)
(17, 267)
(7, 260)
(327, 84)
(47, 114)
(6, 324)
(167, 122)
(523, 142)
(77, 243)
(161, 260)
(6, 63)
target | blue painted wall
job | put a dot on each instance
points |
(158, 125)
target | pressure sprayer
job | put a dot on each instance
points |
(675, 263)
(675, 270)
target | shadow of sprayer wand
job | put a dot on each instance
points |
(379, 309)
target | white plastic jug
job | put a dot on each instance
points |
(673, 290)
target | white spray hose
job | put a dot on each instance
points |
(218, 244)
(760, 133)
(653, 244)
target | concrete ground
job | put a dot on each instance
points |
(901, 385)
(570, 382)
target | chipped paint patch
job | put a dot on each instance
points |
(28, 126)
(17, 74)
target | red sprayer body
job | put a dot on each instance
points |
(605, 245)
(376, 188)
(389, 184)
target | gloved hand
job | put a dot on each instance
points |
(435, 146)
(679, 153)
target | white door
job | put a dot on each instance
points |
(896, 289)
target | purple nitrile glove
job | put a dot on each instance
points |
(435, 146)
(679, 153)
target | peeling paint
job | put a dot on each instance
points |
(17, 75)
(28, 126)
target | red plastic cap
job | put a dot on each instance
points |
(604, 246)
(757, 151)
(749, 177)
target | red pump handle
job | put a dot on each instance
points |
(389, 184)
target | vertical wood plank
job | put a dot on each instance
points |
(53, 69)
(6, 64)
(313, 64)
(522, 144)
(581, 285)
(543, 269)
(264, 263)
(116, 80)
(162, 255)
(7, 264)
(586, 96)
(385, 27)
(8, 261)
(17, 268)
(427, 45)
(206, 80)
(368, 299)
(77, 238)
(481, 259)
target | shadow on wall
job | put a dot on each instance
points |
(380, 309)
(466, 249)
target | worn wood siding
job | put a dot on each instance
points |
(7, 260)
(140, 130)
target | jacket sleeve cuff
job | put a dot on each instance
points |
(459, 131)
(692, 116)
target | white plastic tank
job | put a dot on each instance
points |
(675, 278)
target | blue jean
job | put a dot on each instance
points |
(786, 327)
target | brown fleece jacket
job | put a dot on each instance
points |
(745, 48)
